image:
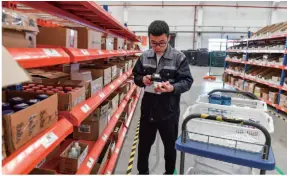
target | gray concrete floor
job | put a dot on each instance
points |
(279, 137)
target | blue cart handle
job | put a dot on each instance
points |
(229, 120)
(248, 94)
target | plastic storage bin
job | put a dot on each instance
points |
(226, 134)
(239, 102)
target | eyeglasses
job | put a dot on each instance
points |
(161, 44)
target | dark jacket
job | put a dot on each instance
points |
(172, 67)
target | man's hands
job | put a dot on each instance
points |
(147, 80)
(164, 87)
(159, 87)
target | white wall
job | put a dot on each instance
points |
(212, 22)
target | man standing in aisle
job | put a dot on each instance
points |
(160, 108)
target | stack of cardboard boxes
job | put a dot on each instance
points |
(283, 101)
(21, 125)
(19, 30)
(265, 74)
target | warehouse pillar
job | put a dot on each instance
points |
(126, 16)
(199, 24)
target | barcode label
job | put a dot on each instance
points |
(48, 139)
(85, 52)
(51, 52)
(85, 108)
(90, 163)
(84, 129)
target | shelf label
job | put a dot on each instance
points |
(85, 108)
(49, 139)
(90, 163)
(117, 150)
(85, 52)
(112, 86)
(100, 51)
(111, 52)
(105, 137)
(102, 95)
(117, 116)
(51, 52)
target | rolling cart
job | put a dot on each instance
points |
(227, 136)
(263, 160)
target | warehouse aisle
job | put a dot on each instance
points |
(279, 138)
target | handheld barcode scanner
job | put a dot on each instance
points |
(156, 78)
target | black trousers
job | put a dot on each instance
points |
(168, 130)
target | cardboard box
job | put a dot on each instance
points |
(83, 75)
(251, 87)
(114, 100)
(265, 96)
(88, 39)
(233, 79)
(18, 39)
(40, 171)
(94, 124)
(283, 100)
(258, 91)
(273, 97)
(22, 126)
(121, 63)
(4, 154)
(62, 37)
(71, 165)
(47, 76)
(104, 72)
(116, 131)
(246, 87)
(102, 111)
(89, 130)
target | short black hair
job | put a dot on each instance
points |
(158, 28)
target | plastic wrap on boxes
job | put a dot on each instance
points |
(12, 19)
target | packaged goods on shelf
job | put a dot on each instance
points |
(28, 121)
(18, 39)
(252, 87)
(91, 87)
(99, 71)
(233, 80)
(114, 71)
(47, 76)
(62, 37)
(259, 90)
(265, 96)
(88, 39)
(283, 100)
(12, 19)
(273, 29)
(240, 84)
(273, 97)
(114, 100)
(94, 124)
(116, 131)
(68, 95)
(71, 165)
(246, 87)
(83, 75)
